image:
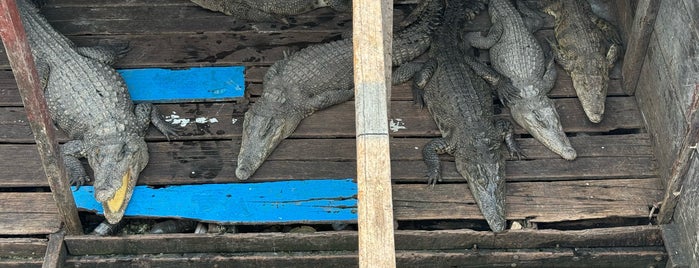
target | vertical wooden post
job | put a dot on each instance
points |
(372, 32)
(56, 251)
(681, 165)
(637, 44)
(20, 57)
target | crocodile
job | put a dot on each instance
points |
(270, 10)
(515, 53)
(588, 47)
(89, 101)
(313, 79)
(461, 104)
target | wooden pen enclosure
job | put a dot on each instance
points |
(598, 210)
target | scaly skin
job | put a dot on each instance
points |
(270, 10)
(587, 48)
(515, 53)
(88, 100)
(313, 79)
(461, 104)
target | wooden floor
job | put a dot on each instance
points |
(612, 184)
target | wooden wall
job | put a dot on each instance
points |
(669, 80)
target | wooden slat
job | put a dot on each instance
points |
(631, 236)
(22, 247)
(336, 121)
(627, 156)
(22, 62)
(580, 257)
(55, 251)
(28, 213)
(637, 42)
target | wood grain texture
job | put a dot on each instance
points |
(372, 31)
(23, 247)
(22, 62)
(637, 42)
(56, 251)
(629, 236)
(28, 213)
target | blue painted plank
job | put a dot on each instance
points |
(185, 85)
(265, 202)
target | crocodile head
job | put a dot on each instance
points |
(117, 163)
(591, 88)
(537, 114)
(484, 169)
(262, 132)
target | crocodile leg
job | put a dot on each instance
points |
(549, 78)
(507, 132)
(405, 72)
(613, 54)
(420, 81)
(43, 69)
(430, 154)
(105, 54)
(147, 113)
(476, 39)
(71, 152)
(532, 20)
(503, 85)
(560, 57)
(607, 29)
(329, 98)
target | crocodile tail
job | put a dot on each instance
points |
(415, 39)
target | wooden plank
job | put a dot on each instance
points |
(552, 201)
(678, 255)
(581, 257)
(199, 84)
(681, 165)
(22, 247)
(536, 201)
(28, 213)
(627, 236)
(601, 157)
(20, 58)
(256, 203)
(27, 202)
(637, 42)
(372, 31)
(55, 251)
(686, 214)
(622, 113)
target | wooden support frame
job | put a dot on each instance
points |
(56, 251)
(15, 40)
(372, 33)
(637, 44)
(681, 165)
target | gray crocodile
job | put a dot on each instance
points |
(89, 101)
(587, 48)
(461, 104)
(270, 10)
(515, 53)
(313, 79)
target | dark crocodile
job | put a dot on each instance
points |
(270, 10)
(88, 100)
(461, 104)
(587, 48)
(515, 53)
(313, 79)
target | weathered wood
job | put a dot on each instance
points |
(625, 17)
(214, 162)
(680, 168)
(372, 30)
(678, 256)
(55, 251)
(580, 257)
(28, 213)
(637, 44)
(629, 236)
(22, 247)
(20, 57)
(686, 215)
(622, 114)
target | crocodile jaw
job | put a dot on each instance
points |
(261, 135)
(592, 92)
(115, 207)
(486, 180)
(539, 117)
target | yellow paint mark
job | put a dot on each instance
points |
(117, 200)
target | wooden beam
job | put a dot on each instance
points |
(372, 31)
(55, 251)
(680, 167)
(20, 57)
(637, 43)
